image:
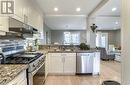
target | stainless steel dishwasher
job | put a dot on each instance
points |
(84, 63)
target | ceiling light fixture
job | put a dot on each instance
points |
(116, 23)
(114, 9)
(78, 9)
(56, 9)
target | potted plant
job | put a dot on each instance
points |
(83, 46)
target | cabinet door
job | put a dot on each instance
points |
(19, 80)
(96, 63)
(70, 63)
(19, 8)
(47, 64)
(24, 82)
(4, 25)
(56, 63)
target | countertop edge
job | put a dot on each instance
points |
(82, 51)
(13, 77)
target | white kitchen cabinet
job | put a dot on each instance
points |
(4, 25)
(96, 63)
(24, 82)
(70, 63)
(62, 63)
(18, 11)
(19, 80)
(47, 64)
(56, 63)
(27, 12)
(22, 9)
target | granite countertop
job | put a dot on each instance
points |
(9, 72)
(77, 51)
(87, 51)
(61, 51)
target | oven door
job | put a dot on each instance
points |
(37, 77)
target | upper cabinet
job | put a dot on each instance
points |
(27, 12)
(19, 9)
(4, 24)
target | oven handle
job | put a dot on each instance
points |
(35, 71)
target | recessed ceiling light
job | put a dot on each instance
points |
(56, 9)
(114, 9)
(78, 9)
(116, 23)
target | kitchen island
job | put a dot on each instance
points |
(13, 74)
(65, 62)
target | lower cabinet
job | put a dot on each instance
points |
(62, 63)
(70, 63)
(65, 63)
(24, 82)
(47, 65)
(19, 80)
(56, 63)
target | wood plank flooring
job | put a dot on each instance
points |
(110, 70)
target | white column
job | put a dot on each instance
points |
(125, 32)
(91, 36)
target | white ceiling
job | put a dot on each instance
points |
(106, 18)
(106, 10)
(67, 7)
(66, 22)
(67, 18)
(108, 23)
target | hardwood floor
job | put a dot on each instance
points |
(110, 70)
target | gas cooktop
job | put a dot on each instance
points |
(23, 58)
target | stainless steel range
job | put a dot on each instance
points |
(36, 62)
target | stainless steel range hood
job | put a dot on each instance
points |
(18, 30)
(20, 27)
(11, 36)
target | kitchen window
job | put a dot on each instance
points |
(71, 38)
(102, 40)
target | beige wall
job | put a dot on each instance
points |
(125, 38)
